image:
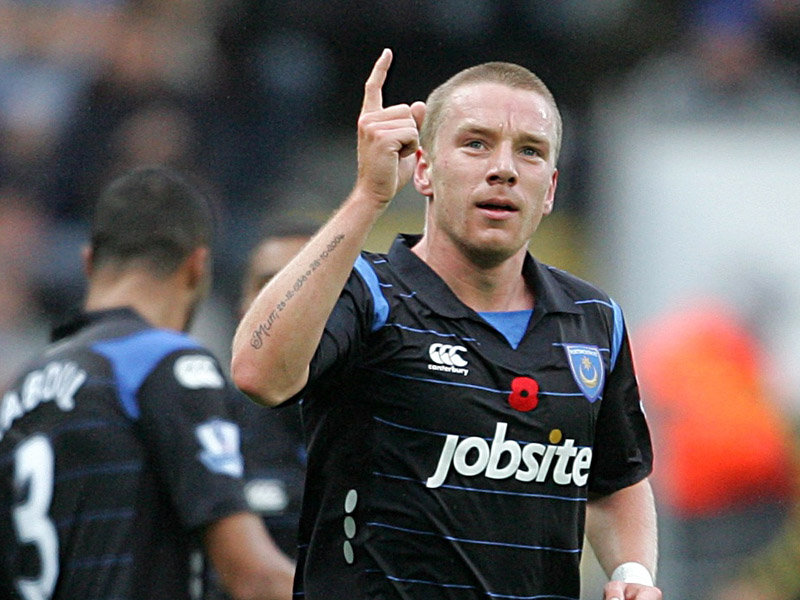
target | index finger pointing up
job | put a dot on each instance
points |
(373, 88)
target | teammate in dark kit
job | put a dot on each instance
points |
(469, 411)
(118, 458)
(273, 445)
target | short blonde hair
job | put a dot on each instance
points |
(508, 74)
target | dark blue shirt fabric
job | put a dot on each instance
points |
(446, 463)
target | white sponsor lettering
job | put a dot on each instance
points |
(197, 371)
(266, 495)
(506, 458)
(56, 382)
(448, 369)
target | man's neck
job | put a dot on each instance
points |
(483, 287)
(159, 301)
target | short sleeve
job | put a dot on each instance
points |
(194, 440)
(352, 320)
(623, 452)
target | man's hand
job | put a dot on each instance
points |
(388, 138)
(619, 590)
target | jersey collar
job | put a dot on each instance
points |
(550, 296)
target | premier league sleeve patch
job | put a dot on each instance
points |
(220, 452)
(587, 369)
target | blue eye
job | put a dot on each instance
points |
(530, 151)
(477, 144)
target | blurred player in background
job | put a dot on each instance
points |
(118, 455)
(703, 371)
(272, 440)
(465, 407)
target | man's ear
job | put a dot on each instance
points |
(551, 194)
(422, 179)
(197, 266)
(87, 257)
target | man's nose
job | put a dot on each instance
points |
(502, 169)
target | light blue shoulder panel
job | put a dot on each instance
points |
(381, 306)
(134, 357)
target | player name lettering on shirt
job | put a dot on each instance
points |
(56, 382)
(566, 463)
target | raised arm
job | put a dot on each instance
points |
(621, 528)
(278, 335)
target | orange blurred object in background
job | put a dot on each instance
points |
(720, 438)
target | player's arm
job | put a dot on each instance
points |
(247, 560)
(276, 339)
(621, 527)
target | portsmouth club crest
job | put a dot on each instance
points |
(587, 369)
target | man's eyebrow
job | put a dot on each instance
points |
(475, 129)
(526, 137)
(536, 137)
(536, 140)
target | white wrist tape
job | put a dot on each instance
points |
(633, 572)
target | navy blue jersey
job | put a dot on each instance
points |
(116, 448)
(445, 463)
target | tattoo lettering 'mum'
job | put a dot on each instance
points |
(263, 330)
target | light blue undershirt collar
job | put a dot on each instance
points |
(512, 324)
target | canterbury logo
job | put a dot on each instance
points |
(447, 358)
(444, 354)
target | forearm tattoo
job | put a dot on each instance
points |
(263, 330)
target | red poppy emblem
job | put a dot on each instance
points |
(524, 394)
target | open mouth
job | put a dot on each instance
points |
(502, 207)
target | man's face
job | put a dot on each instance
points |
(491, 176)
(265, 262)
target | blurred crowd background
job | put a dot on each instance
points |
(678, 191)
